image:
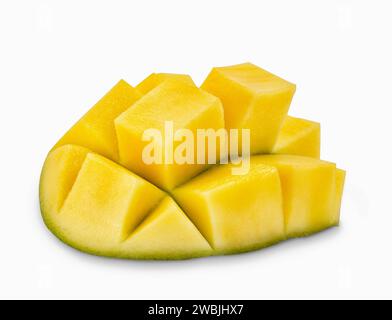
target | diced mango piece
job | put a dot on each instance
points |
(166, 234)
(157, 79)
(58, 176)
(299, 137)
(340, 182)
(309, 192)
(235, 213)
(104, 206)
(253, 99)
(186, 107)
(95, 130)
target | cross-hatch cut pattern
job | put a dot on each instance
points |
(98, 196)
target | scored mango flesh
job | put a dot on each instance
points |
(299, 137)
(98, 196)
(156, 79)
(187, 107)
(252, 99)
(96, 129)
(235, 213)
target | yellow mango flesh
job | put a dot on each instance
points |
(58, 176)
(235, 213)
(252, 99)
(95, 130)
(104, 205)
(311, 192)
(99, 207)
(167, 234)
(299, 137)
(340, 182)
(98, 195)
(108, 200)
(187, 107)
(156, 79)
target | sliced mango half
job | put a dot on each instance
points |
(113, 185)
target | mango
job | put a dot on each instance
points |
(252, 99)
(95, 130)
(312, 191)
(112, 186)
(235, 213)
(156, 79)
(183, 105)
(99, 207)
(299, 137)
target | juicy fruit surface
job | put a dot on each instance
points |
(95, 130)
(235, 213)
(58, 176)
(253, 99)
(187, 107)
(167, 233)
(311, 192)
(108, 201)
(98, 196)
(110, 211)
(299, 137)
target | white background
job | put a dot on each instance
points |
(57, 58)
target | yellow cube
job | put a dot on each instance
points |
(167, 233)
(235, 213)
(180, 104)
(311, 192)
(253, 99)
(58, 176)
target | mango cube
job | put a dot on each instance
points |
(185, 107)
(235, 213)
(166, 234)
(252, 99)
(105, 204)
(299, 137)
(311, 192)
(95, 131)
(156, 79)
